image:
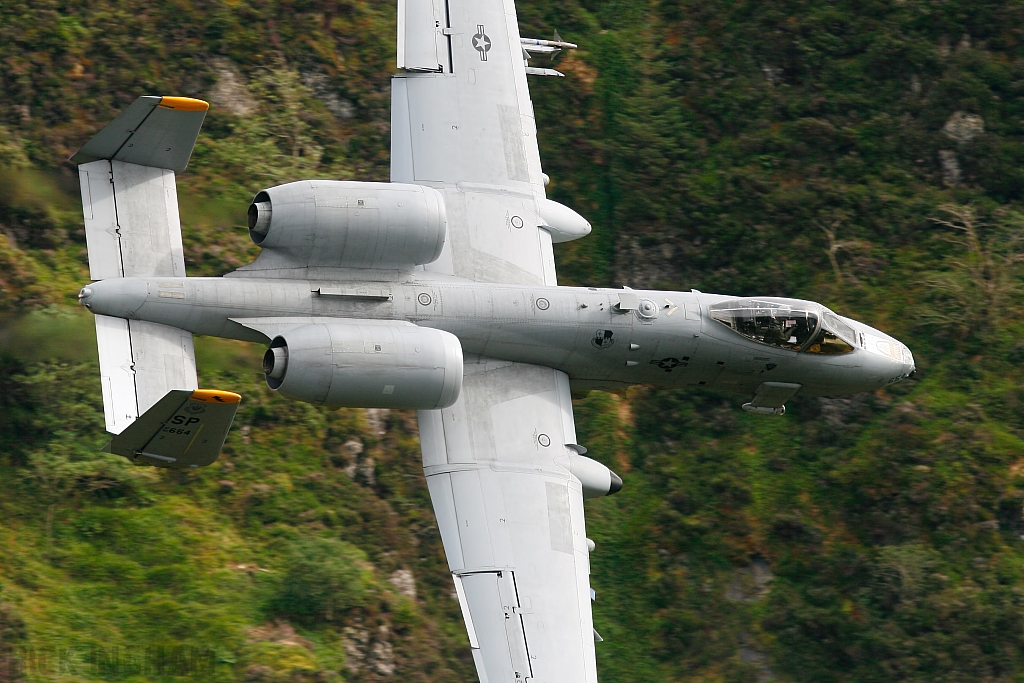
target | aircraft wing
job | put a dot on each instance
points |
(511, 520)
(509, 508)
(462, 122)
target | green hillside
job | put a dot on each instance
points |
(868, 155)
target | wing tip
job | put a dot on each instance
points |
(107, 142)
(215, 396)
(183, 104)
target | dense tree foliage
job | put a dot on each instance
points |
(867, 155)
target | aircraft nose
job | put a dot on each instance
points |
(885, 360)
(909, 366)
(891, 362)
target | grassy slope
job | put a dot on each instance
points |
(869, 539)
(102, 554)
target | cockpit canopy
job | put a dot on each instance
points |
(787, 324)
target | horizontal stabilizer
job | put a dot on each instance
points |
(184, 429)
(159, 132)
(131, 220)
(139, 363)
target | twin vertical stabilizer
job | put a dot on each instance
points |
(184, 429)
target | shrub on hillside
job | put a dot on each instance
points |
(325, 578)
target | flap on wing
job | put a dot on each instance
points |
(495, 616)
(421, 44)
(467, 615)
(153, 131)
(182, 430)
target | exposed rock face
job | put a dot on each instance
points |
(753, 656)
(356, 642)
(951, 173)
(752, 583)
(367, 470)
(382, 655)
(353, 449)
(915, 85)
(372, 651)
(230, 92)
(317, 82)
(378, 419)
(771, 74)
(357, 464)
(964, 127)
(404, 582)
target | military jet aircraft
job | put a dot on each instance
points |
(434, 292)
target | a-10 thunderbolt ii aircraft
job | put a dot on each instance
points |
(434, 292)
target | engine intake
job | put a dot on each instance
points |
(366, 364)
(346, 224)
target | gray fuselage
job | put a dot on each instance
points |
(670, 342)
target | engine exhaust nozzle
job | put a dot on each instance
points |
(259, 217)
(275, 363)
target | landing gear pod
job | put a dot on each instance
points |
(366, 364)
(596, 479)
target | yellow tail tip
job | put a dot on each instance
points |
(215, 396)
(183, 104)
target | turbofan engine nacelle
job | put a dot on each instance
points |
(348, 224)
(366, 364)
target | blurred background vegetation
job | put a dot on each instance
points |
(864, 154)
